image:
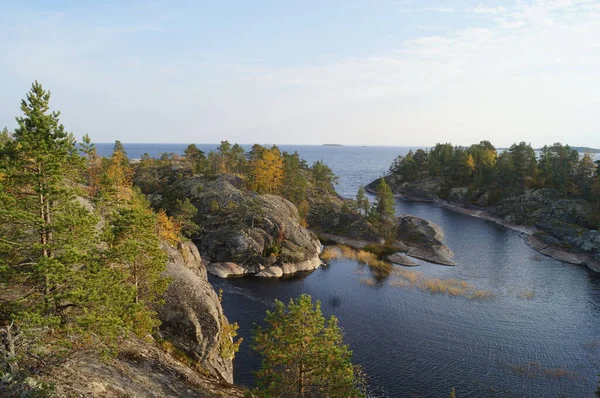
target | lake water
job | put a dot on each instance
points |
(537, 336)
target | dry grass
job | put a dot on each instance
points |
(403, 278)
(362, 256)
(451, 287)
(526, 294)
(535, 369)
(330, 253)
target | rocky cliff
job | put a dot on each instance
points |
(192, 318)
(187, 360)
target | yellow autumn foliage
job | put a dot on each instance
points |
(167, 228)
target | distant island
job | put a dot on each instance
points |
(580, 149)
(586, 149)
(332, 145)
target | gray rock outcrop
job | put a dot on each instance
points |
(424, 240)
(243, 232)
(192, 317)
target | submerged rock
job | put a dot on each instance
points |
(399, 258)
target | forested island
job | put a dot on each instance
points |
(555, 195)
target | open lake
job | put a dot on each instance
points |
(537, 336)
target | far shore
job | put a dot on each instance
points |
(528, 232)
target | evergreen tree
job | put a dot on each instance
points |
(295, 184)
(362, 202)
(67, 297)
(184, 213)
(135, 249)
(93, 164)
(303, 355)
(524, 163)
(4, 137)
(118, 147)
(195, 158)
(383, 213)
(323, 176)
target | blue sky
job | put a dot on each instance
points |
(310, 72)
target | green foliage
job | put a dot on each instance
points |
(482, 169)
(184, 215)
(5, 137)
(362, 202)
(303, 355)
(228, 345)
(214, 207)
(383, 214)
(135, 249)
(323, 176)
(67, 292)
(195, 158)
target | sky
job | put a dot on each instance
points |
(409, 73)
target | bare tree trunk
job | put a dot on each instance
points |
(9, 348)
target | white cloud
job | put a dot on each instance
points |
(481, 9)
(441, 9)
(533, 73)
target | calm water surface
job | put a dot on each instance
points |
(415, 344)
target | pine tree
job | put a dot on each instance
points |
(4, 137)
(295, 183)
(93, 164)
(36, 165)
(49, 248)
(135, 249)
(362, 202)
(303, 355)
(383, 213)
(195, 158)
(184, 213)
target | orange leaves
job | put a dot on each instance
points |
(167, 229)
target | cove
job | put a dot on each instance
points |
(538, 335)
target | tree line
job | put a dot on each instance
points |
(504, 173)
(266, 170)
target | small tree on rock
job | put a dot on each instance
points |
(303, 355)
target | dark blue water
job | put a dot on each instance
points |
(415, 344)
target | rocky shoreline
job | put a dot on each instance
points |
(533, 236)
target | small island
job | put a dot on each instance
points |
(332, 145)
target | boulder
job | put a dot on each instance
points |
(424, 240)
(225, 270)
(271, 272)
